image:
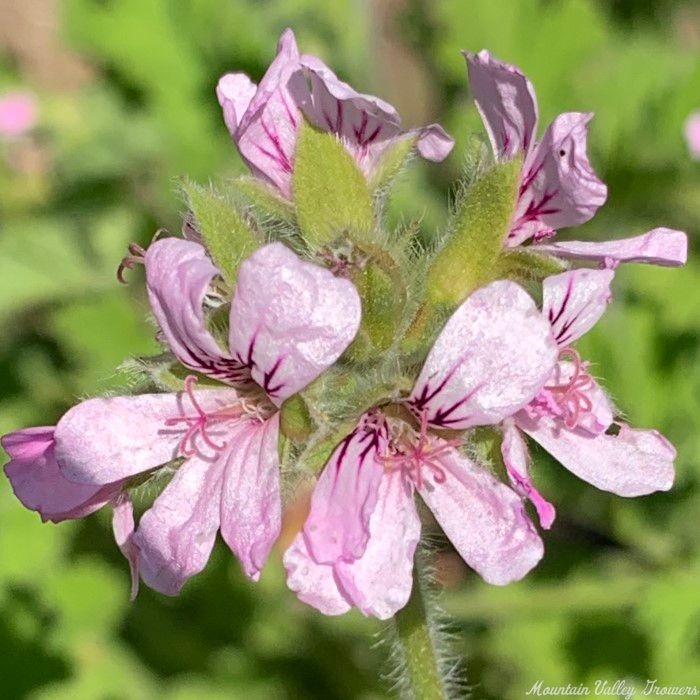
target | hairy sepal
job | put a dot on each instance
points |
(480, 224)
(224, 230)
(523, 266)
(331, 195)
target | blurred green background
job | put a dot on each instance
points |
(126, 99)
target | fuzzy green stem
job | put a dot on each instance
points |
(413, 630)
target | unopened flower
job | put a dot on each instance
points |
(558, 187)
(264, 119)
(572, 418)
(289, 320)
(357, 546)
(18, 114)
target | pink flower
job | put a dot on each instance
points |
(558, 187)
(18, 114)
(264, 119)
(573, 419)
(289, 321)
(357, 545)
(692, 134)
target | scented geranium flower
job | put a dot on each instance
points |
(289, 320)
(357, 546)
(264, 119)
(572, 418)
(558, 187)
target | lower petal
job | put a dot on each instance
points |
(176, 535)
(631, 463)
(484, 519)
(379, 583)
(123, 529)
(251, 506)
(314, 584)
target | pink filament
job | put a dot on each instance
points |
(199, 423)
(570, 397)
(135, 257)
(413, 457)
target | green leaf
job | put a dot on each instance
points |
(330, 191)
(224, 231)
(480, 225)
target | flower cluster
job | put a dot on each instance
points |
(300, 345)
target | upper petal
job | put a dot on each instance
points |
(267, 132)
(517, 460)
(379, 582)
(290, 319)
(631, 463)
(506, 101)
(178, 275)
(660, 246)
(559, 187)
(101, 441)
(573, 302)
(493, 356)
(38, 483)
(234, 92)
(434, 143)
(346, 494)
(251, 505)
(484, 519)
(176, 535)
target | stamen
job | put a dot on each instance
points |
(570, 397)
(135, 257)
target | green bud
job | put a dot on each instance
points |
(524, 266)
(295, 419)
(392, 162)
(264, 199)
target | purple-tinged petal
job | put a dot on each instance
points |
(290, 319)
(123, 529)
(379, 583)
(691, 131)
(235, 92)
(345, 495)
(631, 463)
(493, 356)
(484, 519)
(176, 535)
(660, 246)
(434, 143)
(559, 187)
(38, 483)
(315, 584)
(101, 441)
(517, 460)
(506, 101)
(266, 133)
(178, 275)
(573, 302)
(251, 505)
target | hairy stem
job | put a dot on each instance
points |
(415, 632)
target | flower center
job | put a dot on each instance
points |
(199, 423)
(415, 454)
(570, 397)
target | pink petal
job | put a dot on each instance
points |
(176, 535)
(251, 506)
(18, 113)
(573, 302)
(434, 143)
(660, 246)
(234, 92)
(101, 441)
(178, 275)
(379, 582)
(559, 187)
(123, 528)
(267, 131)
(346, 494)
(484, 520)
(38, 483)
(517, 461)
(506, 101)
(692, 134)
(290, 319)
(493, 356)
(315, 584)
(632, 463)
